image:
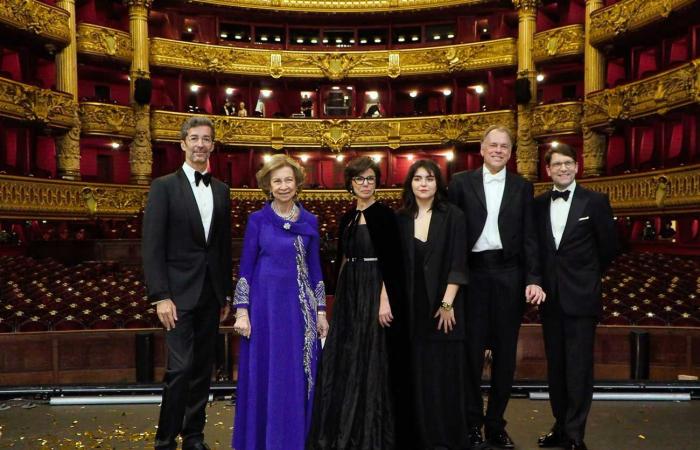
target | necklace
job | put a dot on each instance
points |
(291, 214)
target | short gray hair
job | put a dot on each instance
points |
(502, 129)
(196, 121)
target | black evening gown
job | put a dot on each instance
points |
(438, 371)
(352, 404)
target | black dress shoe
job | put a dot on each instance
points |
(577, 445)
(552, 439)
(197, 446)
(474, 439)
(499, 439)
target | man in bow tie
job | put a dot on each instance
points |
(187, 264)
(503, 274)
(577, 243)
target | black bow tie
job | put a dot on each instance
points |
(206, 178)
(561, 194)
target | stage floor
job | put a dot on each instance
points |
(611, 425)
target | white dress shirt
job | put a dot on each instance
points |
(559, 212)
(494, 185)
(204, 197)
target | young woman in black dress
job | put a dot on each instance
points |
(432, 235)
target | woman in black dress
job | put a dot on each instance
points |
(355, 404)
(432, 234)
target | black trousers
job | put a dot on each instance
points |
(568, 342)
(191, 352)
(495, 306)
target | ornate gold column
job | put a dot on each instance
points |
(527, 156)
(594, 80)
(68, 144)
(140, 152)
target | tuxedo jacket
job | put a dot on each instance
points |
(515, 218)
(445, 263)
(572, 273)
(176, 256)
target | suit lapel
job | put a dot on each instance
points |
(476, 179)
(547, 213)
(508, 192)
(216, 207)
(434, 229)
(579, 201)
(191, 207)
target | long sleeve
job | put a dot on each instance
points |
(606, 234)
(458, 247)
(153, 245)
(226, 254)
(530, 242)
(249, 257)
(313, 259)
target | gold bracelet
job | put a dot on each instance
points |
(446, 306)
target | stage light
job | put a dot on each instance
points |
(339, 158)
(363, 41)
(314, 41)
(263, 38)
(554, 144)
(229, 90)
(373, 95)
(115, 145)
(352, 41)
(223, 35)
(325, 40)
(349, 88)
(413, 94)
(304, 158)
(266, 158)
(401, 39)
(300, 40)
(338, 40)
(409, 157)
(265, 93)
(377, 40)
(189, 29)
(436, 37)
(278, 39)
(237, 36)
(194, 88)
(449, 156)
(377, 158)
(447, 92)
(450, 36)
(540, 77)
(336, 88)
(479, 89)
(415, 38)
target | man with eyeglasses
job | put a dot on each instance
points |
(186, 247)
(503, 274)
(577, 243)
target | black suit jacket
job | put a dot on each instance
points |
(515, 218)
(572, 273)
(175, 254)
(445, 263)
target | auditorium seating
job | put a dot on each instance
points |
(641, 289)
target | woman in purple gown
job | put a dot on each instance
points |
(280, 311)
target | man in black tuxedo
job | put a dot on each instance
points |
(504, 274)
(186, 248)
(577, 243)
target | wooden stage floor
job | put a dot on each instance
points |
(611, 425)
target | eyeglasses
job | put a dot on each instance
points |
(361, 180)
(206, 140)
(566, 164)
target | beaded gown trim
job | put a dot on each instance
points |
(242, 295)
(308, 300)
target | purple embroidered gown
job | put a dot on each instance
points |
(281, 286)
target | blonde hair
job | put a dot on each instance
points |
(277, 162)
(502, 129)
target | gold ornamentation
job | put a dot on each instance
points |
(558, 42)
(139, 3)
(593, 153)
(104, 42)
(140, 154)
(527, 5)
(68, 152)
(341, 6)
(25, 102)
(657, 94)
(37, 18)
(332, 65)
(557, 118)
(630, 15)
(526, 153)
(336, 134)
(105, 119)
